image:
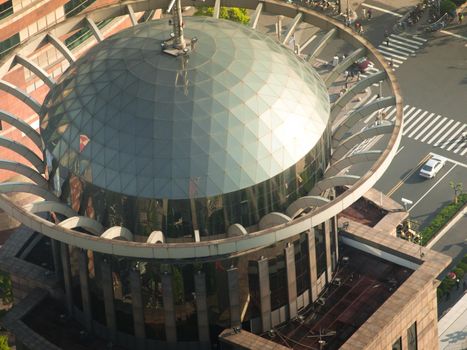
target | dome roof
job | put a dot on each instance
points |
(237, 111)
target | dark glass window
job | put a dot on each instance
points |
(74, 7)
(397, 344)
(320, 247)
(6, 9)
(412, 337)
(278, 281)
(302, 265)
(8, 44)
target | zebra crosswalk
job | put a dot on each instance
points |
(399, 48)
(430, 128)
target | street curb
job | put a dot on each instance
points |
(447, 226)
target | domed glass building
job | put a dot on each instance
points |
(231, 131)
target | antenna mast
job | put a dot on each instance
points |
(177, 45)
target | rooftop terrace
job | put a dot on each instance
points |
(361, 285)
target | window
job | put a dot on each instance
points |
(397, 344)
(412, 336)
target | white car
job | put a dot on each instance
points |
(432, 166)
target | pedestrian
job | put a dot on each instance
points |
(358, 76)
(361, 29)
(370, 12)
(364, 13)
(458, 284)
(387, 41)
(390, 62)
(461, 17)
(346, 75)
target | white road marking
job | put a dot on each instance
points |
(449, 159)
(453, 138)
(399, 47)
(382, 10)
(454, 127)
(406, 130)
(416, 47)
(453, 34)
(394, 50)
(415, 123)
(425, 120)
(434, 129)
(428, 126)
(406, 39)
(407, 119)
(462, 144)
(440, 131)
(386, 53)
(419, 38)
(429, 190)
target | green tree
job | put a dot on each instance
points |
(4, 342)
(6, 294)
(457, 188)
(447, 6)
(235, 14)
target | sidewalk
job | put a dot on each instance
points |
(452, 328)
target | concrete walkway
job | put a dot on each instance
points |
(452, 328)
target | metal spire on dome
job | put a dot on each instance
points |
(177, 45)
(177, 22)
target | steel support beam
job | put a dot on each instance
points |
(346, 124)
(50, 206)
(367, 156)
(333, 181)
(94, 29)
(217, 9)
(322, 44)
(348, 143)
(38, 71)
(24, 170)
(255, 17)
(88, 224)
(131, 14)
(292, 27)
(22, 126)
(354, 90)
(60, 46)
(306, 43)
(20, 95)
(27, 187)
(25, 152)
(305, 202)
(342, 66)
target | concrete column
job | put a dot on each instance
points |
(291, 279)
(65, 255)
(56, 256)
(108, 291)
(327, 242)
(234, 297)
(84, 285)
(264, 293)
(169, 308)
(313, 271)
(137, 307)
(201, 307)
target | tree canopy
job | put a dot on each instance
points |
(235, 14)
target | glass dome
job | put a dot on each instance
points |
(237, 111)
